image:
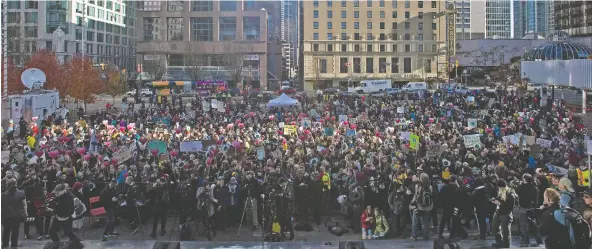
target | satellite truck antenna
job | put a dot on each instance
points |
(33, 78)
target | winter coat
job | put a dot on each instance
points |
(79, 209)
(382, 226)
(367, 224)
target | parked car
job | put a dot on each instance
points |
(144, 92)
(331, 91)
(535, 87)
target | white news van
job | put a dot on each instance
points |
(35, 103)
(370, 86)
(415, 86)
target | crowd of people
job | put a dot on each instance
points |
(390, 165)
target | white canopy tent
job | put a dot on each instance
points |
(282, 100)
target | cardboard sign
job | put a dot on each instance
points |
(472, 141)
(491, 102)
(434, 150)
(289, 129)
(350, 133)
(328, 131)
(5, 156)
(206, 106)
(400, 109)
(306, 123)
(544, 143)
(281, 125)
(260, 153)
(342, 118)
(530, 140)
(414, 141)
(472, 123)
(124, 153)
(404, 135)
(190, 146)
(159, 145)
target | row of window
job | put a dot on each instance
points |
(208, 5)
(369, 65)
(371, 48)
(202, 29)
(31, 46)
(380, 37)
(107, 27)
(382, 14)
(381, 3)
(369, 25)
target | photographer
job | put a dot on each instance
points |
(503, 214)
(527, 199)
(557, 236)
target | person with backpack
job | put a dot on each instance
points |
(421, 205)
(566, 192)
(556, 234)
(503, 217)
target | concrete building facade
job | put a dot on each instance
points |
(105, 31)
(175, 32)
(470, 19)
(345, 42)
(499, 19)
(573, 17)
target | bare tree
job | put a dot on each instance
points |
(233, 59)
(195, 63)
(155, 68)
(316, 71)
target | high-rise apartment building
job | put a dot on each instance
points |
(499, 19)
(345, 42)
(532, 17)
(184, 36)
(574, 17)
(103, 30)
(470, 19)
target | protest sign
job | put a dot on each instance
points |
(472, 141)
(353, 120)
(281, 125)
(190, 146)
(5, 156)
(404, 135)
(587, 122)
(214, 103)
(472, 123)
(205, 106)
(306, 122)
(289, 129)
(159, 145)
(342, 118)
(544, 143)
(260, 153)
(414, 141)
(317, 124)
(588, 143)
(471, 99)
(530, 140)
(328, 131)
(400, 109)
(124, 153)
(434, 150)
(350, 133)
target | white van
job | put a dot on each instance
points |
(370, 86)
(415, 86)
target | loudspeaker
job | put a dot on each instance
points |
(445, 244)
(63, 245)
(167, 245)
(351, 245)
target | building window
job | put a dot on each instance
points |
(202, 29)
(369, 36)
(14, 17)
(382, 26)
(343, 25)
(227, 28)
(407, 14)
(315, 47)
(329, 25)
(343, 36)
(420, 4)
(433, 4)
(406, 65)
(356, 14)
(175, 28)
(330, 47)
(369, 48)
(434, 27)
(100, 37)
(356, 3)
(420, 48)
(357, 36)
(356, 25)
(420, 15)
(109, 39)
(251, 28)
(227, 5)
(407, 37)
(315, 13)
(407, 48)
(176, 60)
(90, 36)
(381, 3)
(48, 45)
(315, 36)
(30, 17)
(394, 3)
(343, 3)
(78, 34)
(323, 65)
(382, 14)
(173, 6)
(394, 14)
(420, 26)
(343, 47)
(343, 14)
(329, 14)
(369, 14)
(315, 3)
(420, 37)
(31, 46)
(395, 25)
(434, 48)
(381, 65)
(202, 5)
(382, 48)
(356, 47)
(382, 37)
(343, 65)
(394, 65)
(31, 4)
(407, 25)
(395, 48)
(31, 32)
(369, 3)
(13, 5)
(427, 66)
(369, 65)
(150, 28)
(315, 25)
(329, 36)
(357, 65)
(369, 25)
(329, 3)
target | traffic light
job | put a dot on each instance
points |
(456, 63)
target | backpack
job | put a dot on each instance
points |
(579, 231)
(425, 197)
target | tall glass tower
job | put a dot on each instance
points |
(498, 19)
(532, 17)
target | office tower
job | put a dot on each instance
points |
(470, 19)
(574, 17)
(498, 19)
(532, 17)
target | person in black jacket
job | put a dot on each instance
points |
(502, 219)
(160, 196)
(450, 192)
(33, 191)
(557, 236)
(528, 194)
(109, 200)
(63, 208)
(480, 200)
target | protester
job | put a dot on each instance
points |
(503, 217)
(557, 236)
(14, 210)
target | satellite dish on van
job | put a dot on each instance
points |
(33, 77)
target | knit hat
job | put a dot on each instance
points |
(501, 183)
(77, 186)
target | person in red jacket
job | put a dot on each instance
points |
(367, 220)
